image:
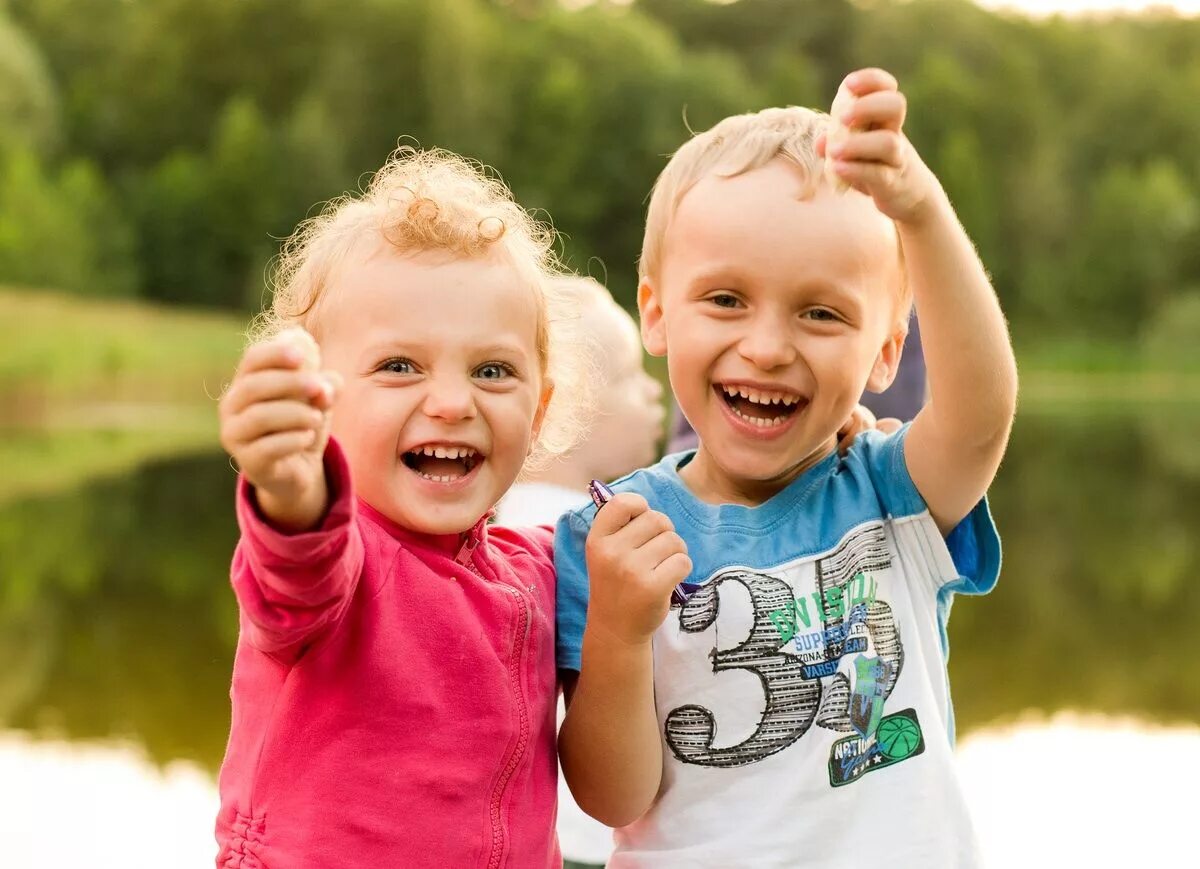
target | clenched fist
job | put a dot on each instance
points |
(275, 424)
(635, 559)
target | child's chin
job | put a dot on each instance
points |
(753, 466)
(456, 522)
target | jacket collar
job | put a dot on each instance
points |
(458, 546)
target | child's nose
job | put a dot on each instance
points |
(449, 399)
(767, 346)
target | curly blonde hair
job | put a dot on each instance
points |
(736, 145)
(435, 200)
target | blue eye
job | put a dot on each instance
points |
(725, 300)
(822, 315)
(494, 371)
(398, 366)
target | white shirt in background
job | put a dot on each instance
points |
(581, 838)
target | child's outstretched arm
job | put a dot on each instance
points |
(300, 556)
(609, 744)
(957, 440)
(275, 425)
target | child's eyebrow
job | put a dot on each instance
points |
(713, 276)
(515, 348)
(827, 288)
(498, 346)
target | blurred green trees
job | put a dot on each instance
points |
(161, 148)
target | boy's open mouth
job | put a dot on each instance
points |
(441, 463)
(761, 407)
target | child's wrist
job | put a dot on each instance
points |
(931, 209)
(294, 513)
(611, 641)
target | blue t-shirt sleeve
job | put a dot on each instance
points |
(570, 564)
(974, 544)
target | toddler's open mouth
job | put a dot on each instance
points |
(441, 463)
(760, 407)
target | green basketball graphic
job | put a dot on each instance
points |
(898, 737)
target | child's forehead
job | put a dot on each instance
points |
(375, 279)
(774, 215)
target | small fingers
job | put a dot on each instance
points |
(275, 353)
(642, 529)
(865, 176)
(333, 382)
(882, 110)
(869, 80)
(872, 146)
(889, 425)
(861, 419)
(661, 547)
(674, 569)
(265, 451)
(618, 513)
(276, 384)
(266, 418)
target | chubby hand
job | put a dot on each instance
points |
(635, 559)
(867, 149)
(861, 420)
(275, 422)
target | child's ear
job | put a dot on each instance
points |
(543, 403)
(654, 333)
(887, 363)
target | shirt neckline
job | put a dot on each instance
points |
(775, 509)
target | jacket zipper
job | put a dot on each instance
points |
(467, 550)
(496, 854)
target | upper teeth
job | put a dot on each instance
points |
(446, 452)
(762, 396)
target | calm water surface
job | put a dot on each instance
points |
(117, 628)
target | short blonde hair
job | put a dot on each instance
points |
(435, 200)
(736, 145)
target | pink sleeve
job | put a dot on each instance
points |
(292, 586)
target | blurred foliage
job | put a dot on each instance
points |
(161, 148)
(1173, 333)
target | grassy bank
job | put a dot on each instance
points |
(61, 353)
(92, 389)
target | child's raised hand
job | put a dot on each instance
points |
(866, 147)
(635, 559)
(275, 425)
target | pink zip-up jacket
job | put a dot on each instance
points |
(393, 695)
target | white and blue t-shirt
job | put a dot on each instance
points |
(802, 690)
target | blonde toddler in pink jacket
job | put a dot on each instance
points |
(394, 686)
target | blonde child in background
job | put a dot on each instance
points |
(625, 428)
(623, 435)
(761, 657)
(394, 686)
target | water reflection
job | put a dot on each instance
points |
(117, 623)
(1098, 604)
(116, 619)
(103, 807)
(1088, 791)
